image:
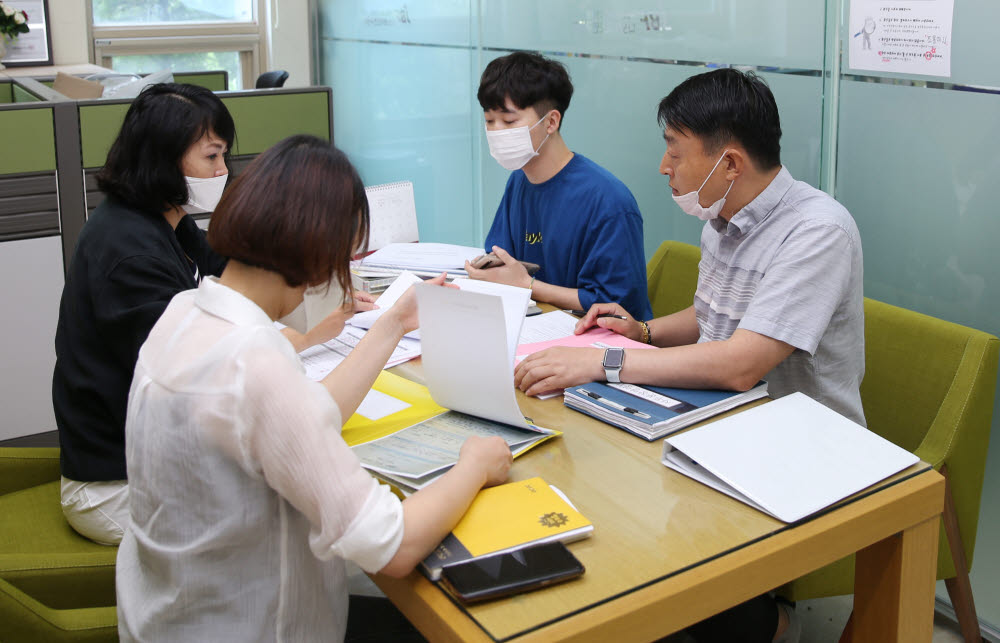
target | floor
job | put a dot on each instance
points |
(823, 619)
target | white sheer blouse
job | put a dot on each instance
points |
(245, 500)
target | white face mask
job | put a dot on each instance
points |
(204, 194)
(512, 147)
(689, 202)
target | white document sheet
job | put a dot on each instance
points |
(386, 300)
(547, 326)
(791, 457)
(468, 361)
(515, 303)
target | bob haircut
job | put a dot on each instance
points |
(727, 105)
(529, 80)
(299, 209)
(143, 168)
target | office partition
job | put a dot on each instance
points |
(910, 156)
(31, 265)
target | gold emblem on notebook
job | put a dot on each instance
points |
(553, 520)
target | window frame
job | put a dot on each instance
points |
(249, 39)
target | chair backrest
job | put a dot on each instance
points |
(672, 277)
(274, 78)
(929, 387)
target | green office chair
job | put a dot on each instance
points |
(25, 619)
(53, 575)
(672, 276)
(929, 387)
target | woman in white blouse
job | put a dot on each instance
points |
(245, 500)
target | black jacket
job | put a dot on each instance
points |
(126, 267)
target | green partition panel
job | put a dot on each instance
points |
(6, 93)
(31, 133)
(99, 125)
(263, 120)
(21, 95)
(217, 81)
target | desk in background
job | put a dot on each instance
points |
(668, 552)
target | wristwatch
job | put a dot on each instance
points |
(614, 358)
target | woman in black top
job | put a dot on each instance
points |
(137, 250)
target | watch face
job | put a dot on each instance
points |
(614, 357)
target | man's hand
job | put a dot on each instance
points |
(628, 327)
(511, 272)
(556, 368)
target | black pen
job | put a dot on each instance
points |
(621, 407)
(581, 313)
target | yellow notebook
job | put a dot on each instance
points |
(507, 518)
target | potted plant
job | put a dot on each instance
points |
(13, 23)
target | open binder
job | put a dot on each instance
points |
(789, 458)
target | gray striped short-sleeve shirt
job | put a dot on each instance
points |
(789, 266)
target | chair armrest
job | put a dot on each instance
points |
(26, 467)
(969, 401)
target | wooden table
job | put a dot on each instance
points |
(668, 552)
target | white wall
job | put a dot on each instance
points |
(30, 290)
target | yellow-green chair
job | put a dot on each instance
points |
(672, 276)
(52, 576)
(25, 619)
(928, 387)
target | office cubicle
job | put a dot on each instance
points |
(52, 152)
(910, 156)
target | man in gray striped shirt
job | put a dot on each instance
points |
(780, 280)
(779, 284)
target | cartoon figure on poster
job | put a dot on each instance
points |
(866, 31)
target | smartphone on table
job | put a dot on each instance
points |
(504, 574)
(490, 260)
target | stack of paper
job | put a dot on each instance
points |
(424, 259)
(789, 458)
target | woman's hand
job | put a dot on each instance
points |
(404, 311)
(491, 457)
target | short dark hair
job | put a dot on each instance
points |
(299, 209)
(529, 80)
(143, 168)
(725, 105)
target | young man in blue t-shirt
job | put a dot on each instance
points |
(559, 210)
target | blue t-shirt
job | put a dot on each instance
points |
(583, 228)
